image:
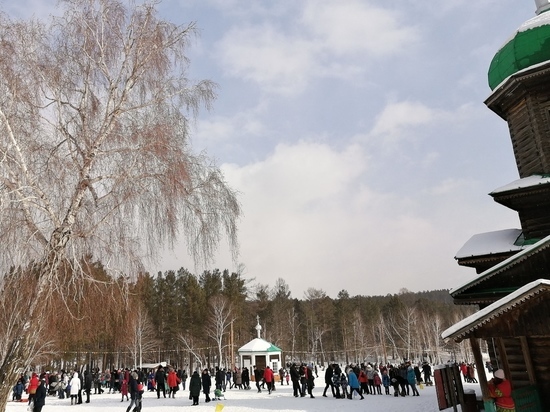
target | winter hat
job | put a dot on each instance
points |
(499, 373)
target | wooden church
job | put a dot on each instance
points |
(512, 286)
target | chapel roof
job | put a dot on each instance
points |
(529, 45)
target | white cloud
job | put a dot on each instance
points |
(448, 186)
(326, 39)
(353, 27)
(296, 176)
(267, 56)
(395, 121)
(223, 130)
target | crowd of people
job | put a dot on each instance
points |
(370, 379)
(166, 382)
(74, 385)
(360, 379)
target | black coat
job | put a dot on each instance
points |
(88, 380)
(160, 376)
(294, 375)
(133, 388)
(206, 383)
(328, 375)
(40, 396)
(195, 384)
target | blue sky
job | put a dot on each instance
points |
(355, 132)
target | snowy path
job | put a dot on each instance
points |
(251, 401)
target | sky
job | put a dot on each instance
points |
(251, 401)
(355, 133)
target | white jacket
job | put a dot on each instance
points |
(75, 384)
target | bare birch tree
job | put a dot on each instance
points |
(221, 317)
(94, 153)
(143, 338)
(196, 353)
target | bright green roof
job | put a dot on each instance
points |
(530, 45)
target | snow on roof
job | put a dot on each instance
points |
(530, 181)
(494, 310)
(490, 243)
(504, 265)
(540, 20)
(259, 345)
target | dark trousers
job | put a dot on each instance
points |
(331, 388)
(161, 387)
(296, 388)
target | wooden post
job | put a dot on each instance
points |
(474, 343)
(527, 359)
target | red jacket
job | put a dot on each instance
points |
(172, 379)
(502, 393)
(33, 384)
(268, 374)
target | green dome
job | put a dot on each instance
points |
(530, 45)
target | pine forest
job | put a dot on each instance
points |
(191, 321)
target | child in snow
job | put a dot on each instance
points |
(386, 381)
(344, 385)
(124, 390)
(18, 391)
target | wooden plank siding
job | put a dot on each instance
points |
(518, 363)
(525, 103)
(532, 204)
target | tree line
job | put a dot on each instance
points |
(193, 320)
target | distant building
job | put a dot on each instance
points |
(259, 352)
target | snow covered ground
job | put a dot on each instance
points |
(251, 401)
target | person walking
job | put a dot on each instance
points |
(427, 370)
(88, 382)
(173, 383)
(40, 396)
(124, 390)
(258, 376)
(411, 378)
(310, 381)
(238, 379)
(195, 386)
(34, 382)
(282, 373)
(206, 384)
(160, 380)
(135, 393)
(219, 378)
(75, 388)
(295, 377)
(353, 384)
(328, 380)
(269, 379)
(245, 377)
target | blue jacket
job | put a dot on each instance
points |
(411, 377)
(353, 382)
